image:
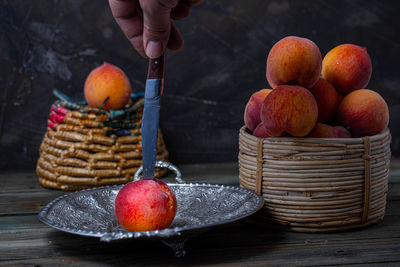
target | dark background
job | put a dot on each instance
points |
(47, 44)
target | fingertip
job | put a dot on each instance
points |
(156, 27)
(154, 49)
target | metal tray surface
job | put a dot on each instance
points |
(91, 212)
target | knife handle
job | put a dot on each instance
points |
(156, 68)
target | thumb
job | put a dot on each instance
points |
(156, 25)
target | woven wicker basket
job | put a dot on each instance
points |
(85, 147)
(315, 184)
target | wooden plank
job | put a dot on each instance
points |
(28, 196)
(378, 250)
(248, 231)
(25, 240)
(239, 242)
(67, 261)
(12, 203)
(19, 181)
(334, 254)
(14, 224)
(394, 191)
(193, 172)
(243, 231)
(31, 201)
(220, 173)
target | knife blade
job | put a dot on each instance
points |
(151, 114)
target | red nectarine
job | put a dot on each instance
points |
(145, 205)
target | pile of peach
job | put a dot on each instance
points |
(316, 98)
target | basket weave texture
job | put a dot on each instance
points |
(316, 184)
(88, 147)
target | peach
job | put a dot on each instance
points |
(327, 100)
(348, 67)
(294, 61)
(322, 130)
(260, 131)
(364, 113)
(145, 205)
(290, 109)
(107, 86)
(271, 83)
(340, 98)
(252, 110)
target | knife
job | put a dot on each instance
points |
(151, 114)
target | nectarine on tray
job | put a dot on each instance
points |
(145, 205)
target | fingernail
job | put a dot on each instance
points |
(153, 49)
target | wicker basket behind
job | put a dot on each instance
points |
(86, 147)
(317, 185)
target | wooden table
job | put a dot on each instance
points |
(24, 240)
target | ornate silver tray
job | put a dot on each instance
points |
(200, 206)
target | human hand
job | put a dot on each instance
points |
(147, 23)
